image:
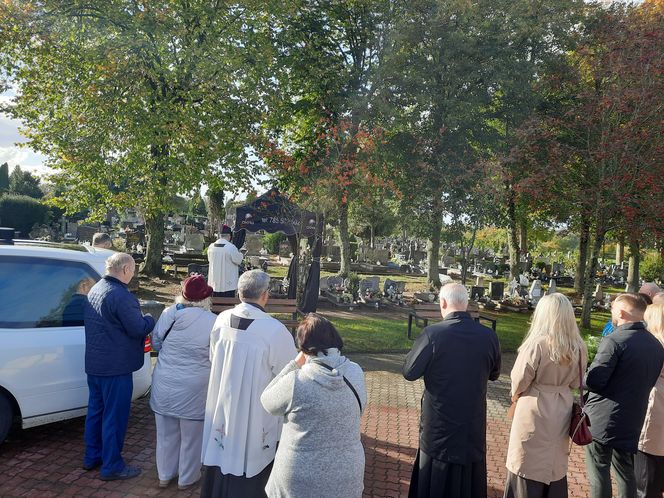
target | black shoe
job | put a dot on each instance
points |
(127, 473)
(91, 466)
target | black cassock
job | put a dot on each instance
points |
(456, 357)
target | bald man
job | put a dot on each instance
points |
(651, 289)
(626, 367)
(115, 331)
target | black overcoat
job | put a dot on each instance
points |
(456, 357)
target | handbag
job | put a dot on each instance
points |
(579, 427)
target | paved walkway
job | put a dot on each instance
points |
(45, 461)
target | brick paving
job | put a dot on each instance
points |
(45, 461)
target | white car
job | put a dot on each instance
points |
(42, 359)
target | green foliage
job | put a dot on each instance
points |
(4, 177)
(24, 183)
(592, 342)
(21, 212)
(652, 268)
(271, 241)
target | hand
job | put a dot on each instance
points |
(300, 359)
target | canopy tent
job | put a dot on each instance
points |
(273, 212)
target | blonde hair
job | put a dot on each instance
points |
(654, 318)
(554, 320)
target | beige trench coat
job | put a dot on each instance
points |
(539, 438)
(652, 435)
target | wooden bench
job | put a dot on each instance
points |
(274, 307)
(185, 260)
(423, 312)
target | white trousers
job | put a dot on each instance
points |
(179, 444)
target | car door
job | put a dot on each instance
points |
(42, 340)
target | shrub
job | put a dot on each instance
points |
(271, 242)
(592, 342)
(651, 268)
(21, 213)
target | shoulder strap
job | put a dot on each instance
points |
(580, 380)
(357, 397)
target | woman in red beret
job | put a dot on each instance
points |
(179, 382)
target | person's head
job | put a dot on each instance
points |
(453, 297)
(84, 286)
(654, 318)
(102, 241)
(316, 334)
(195, 292)
(627, 308)
(226, 232)
(253, 287)
(646, 298)
(554, 320)
(121, 266)
(650, 288)
(658, 298)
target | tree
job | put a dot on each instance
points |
(604, 150)
(4, 177)
(435, 93)
(24, 183)
(136, 101)
(320, 141)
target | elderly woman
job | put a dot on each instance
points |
(649, 460)
(179, 382)
(546, 370)
(322, 395)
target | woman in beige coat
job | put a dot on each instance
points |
(649, 460)
(546, 370)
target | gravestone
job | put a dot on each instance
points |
(496, 290)
(552, 287)
(479, 282)
(535, 293)
(523, 280)
(284, 249)
(476, 292)
(253, 244)
(195, 242)
(599, 293)
(513, 288)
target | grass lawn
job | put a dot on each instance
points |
(380, 334)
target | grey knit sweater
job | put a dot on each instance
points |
(320, 454)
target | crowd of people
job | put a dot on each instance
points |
(247, 411)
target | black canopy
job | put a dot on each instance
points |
(274, 212)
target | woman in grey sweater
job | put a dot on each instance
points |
(321, 396)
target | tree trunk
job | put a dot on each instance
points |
(344, 235)
(523, 236)
(154, 231)
(579, 277)
(513, 240)
(620, 251)
(433, 247)
(215, 207)
(591, 271)
(633, 276)
(371, 237)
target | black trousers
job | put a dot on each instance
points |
(649, 470)
(600, 460)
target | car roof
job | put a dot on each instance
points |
(70, 252)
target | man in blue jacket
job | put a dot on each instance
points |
(115, 331)
(626, 367)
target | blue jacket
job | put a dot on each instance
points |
(115, 329)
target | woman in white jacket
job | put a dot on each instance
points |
(179, 382)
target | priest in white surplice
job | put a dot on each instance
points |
(248, 348)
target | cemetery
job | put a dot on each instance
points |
(363, 155)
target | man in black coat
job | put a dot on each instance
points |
(626, 367)
(456, 357)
